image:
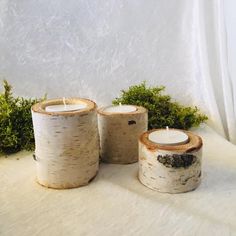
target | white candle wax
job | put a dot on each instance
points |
(120, 109)
(168, 137)
(65, 108)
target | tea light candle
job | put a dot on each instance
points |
(62, 108)
(168, 137)
(65, 107)
(120, 109)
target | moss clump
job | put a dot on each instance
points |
(162, 111)
(16, 128)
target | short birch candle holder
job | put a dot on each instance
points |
(119, 130)
(170, 168)
(67, 142)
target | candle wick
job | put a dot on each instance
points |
(64, 101)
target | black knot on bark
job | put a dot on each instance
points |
(131, 122)
(177, 160)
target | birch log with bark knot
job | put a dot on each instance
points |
(170, 168)
(67, 143)
(119, 133)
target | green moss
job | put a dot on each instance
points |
(16, 128)
(162, 111)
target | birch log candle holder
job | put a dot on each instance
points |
(119, 129)
(67, 142)
(170, 162)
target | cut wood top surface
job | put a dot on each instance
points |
(194, 143)
(40, 107)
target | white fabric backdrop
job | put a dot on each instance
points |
(96, 48)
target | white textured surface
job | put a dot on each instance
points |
(115, 203)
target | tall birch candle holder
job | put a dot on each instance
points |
(67, 142)
(119, 129)
(170, 167)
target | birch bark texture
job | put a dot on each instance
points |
(67, 144)
(170, 169)
(119, 133)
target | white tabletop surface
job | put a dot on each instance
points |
(116, 203)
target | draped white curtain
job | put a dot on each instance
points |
(96, 48)
(214, 62)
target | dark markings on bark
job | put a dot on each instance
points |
(186, 180)
(131, 122)
(34, 157)
(177, 160)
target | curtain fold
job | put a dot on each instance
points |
(214, 66)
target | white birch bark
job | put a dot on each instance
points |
(119, 133)
(171, 169)
(67, 144)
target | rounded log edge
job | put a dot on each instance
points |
(119, 162)
(171, 191)
(65, 187)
